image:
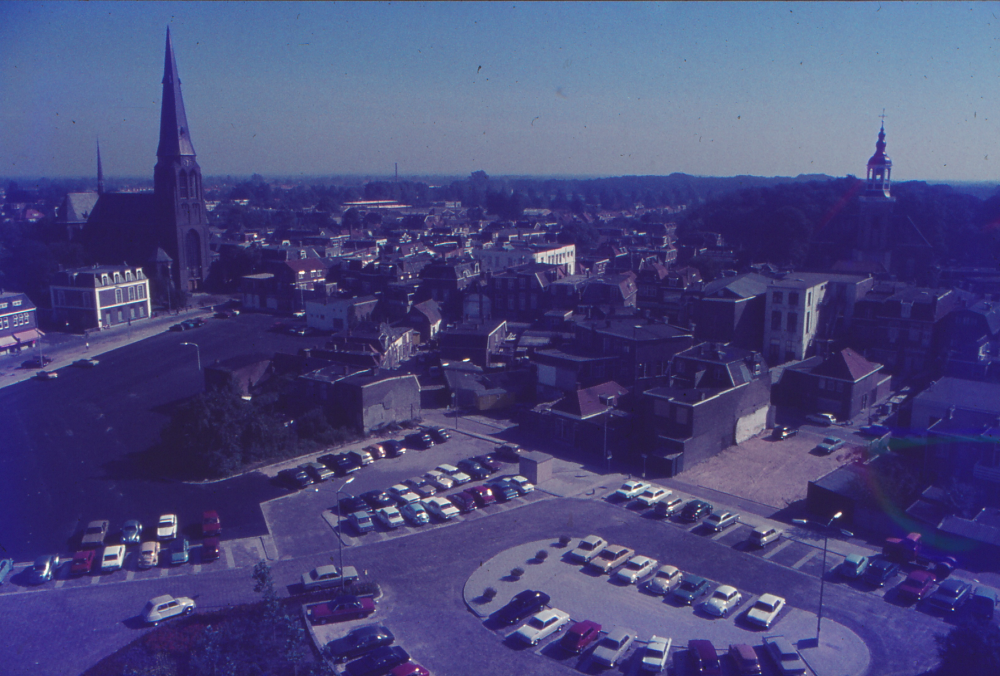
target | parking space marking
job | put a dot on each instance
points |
(229, 557)
(60, 583)
(781, 545)
(129, 575)
(721, 534)
(95, 579)
(801, 562)
(164, 572)
(197, 568)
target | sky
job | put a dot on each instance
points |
(567, 88)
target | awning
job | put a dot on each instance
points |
(27, 336)
(7, 341)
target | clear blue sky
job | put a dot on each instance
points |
(510, 88)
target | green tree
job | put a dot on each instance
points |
(971, 647)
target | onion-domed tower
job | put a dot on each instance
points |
(876, 205)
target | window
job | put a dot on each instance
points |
(118, 295)
(118, 278)
(808, 317)
(809, 298)
(793, 298)
(776, 320)
(17, 303)
(121, 316)
(905, 310)
(142, 310)
(128, 275)
(104, 280)
(131, 293)
(142, 291)
(793, 321)
(777, 297)
(60, 297)
(131, 313)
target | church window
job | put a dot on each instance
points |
(906, 310)
(182, 183)
(187, 213)
(60, 297)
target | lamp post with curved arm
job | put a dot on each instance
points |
(827, 527)
(340, 533)
(197, 352)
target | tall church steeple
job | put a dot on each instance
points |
(879, 167)
(875, 207)
(175, 139)
(100, 172)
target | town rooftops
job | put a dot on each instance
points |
(846, 365)
(968, 394)
(587, 402)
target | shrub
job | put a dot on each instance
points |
(565, 540)
(489, 593)
(517, 572)
(541, 554)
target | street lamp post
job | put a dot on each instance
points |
(644, 456)
(340, 533)
(607, 400)
(827, 526)
(197, 351)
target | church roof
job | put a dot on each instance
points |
(880, 158)
(175, 137)
(137, 208)
(77, 207)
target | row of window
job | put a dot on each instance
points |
(15, 303)
(117, 277)
(133, 313)
(15, 320)
(130, 293)
(791, 321)
(793, 297)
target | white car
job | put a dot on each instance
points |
(654, 657)
(403, 494)
(766, 610)
(652, 495)
(415, 513)
(113, 558)
(166, 527)
(457, 475)
(166, 606)
(327, 577)
(390, 517)
(442, 508)
(544, 624)
(522, 484)
(611, 557)
(722, 600)
(637, 567)
(588, 548)
(149, 554)
(665, 579)
(630, 489)
(825, 419)
(439, 479)
(721, 520)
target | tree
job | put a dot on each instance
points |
(971, 647)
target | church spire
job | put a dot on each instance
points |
(100, 172)
(175, 139)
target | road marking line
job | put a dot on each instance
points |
(801, 562)
(719, 534)
(60, 583)
(197, 568)
(781, 545)
(129, 575)
(95, 579)
(229, 557)
(164, 572)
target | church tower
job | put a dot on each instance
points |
(876, 206)
(182, 220)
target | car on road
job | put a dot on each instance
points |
(294, 478)
(210, 549)
(131, 532)
(94, 536)
(113, 558)
(340, 609)
(613, 646)
(46, 375)
(182, 326)
(6, 568)
(86, 363)
(745, 658)
(523, 604)
(361, 521)
(473, 469)
(326, 577)
(630, 490)
(829, 445)
(457, 475)
(166, 527)
(781, 432)
(180, 551)
(664, 580)
(415, 513)
(490, 462)
(704, 658)
(785, 657)
(377, 499)
(917, 585)
(950, 595)
(695, 510)
(503, 490)
(721, 520)
(580, 635)
(589, 547)
(402, 494)
(690, 589)
(542, 625)
(853, 566)
(149, 554)
(483, 495)
(611, 557)
(44, 569)
(654, 657)
(522, 484)
(210, 524)
(635, 569)
(652, 495)
(393, 448)
(880, 571)
(83, 562)
(764, 535)
(824, 419)
(668, 506)
(36, 362)
(441, 480)
(318, 472)
(420, 441)
(378, 662)
(766, 610)
(389, 517)
(166, 606)
(442, 508)
(722, 600)
(465, 502)
(359, 641)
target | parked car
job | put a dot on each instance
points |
(393, 448)
(86, 363)
(473, 469)
(438, 434)
(361, 457)
(318, 472)
(490, 462)
(509, 452)
(668, 506)
(722, 520)
(611, 557)
(353, 503)
(6, 568)
(654, 657)
(210, 524)
(149, 554)
(764, 535)
(377, 451)
(589, 547)
(166, 527)
(542, 625)
(853, 566)
(47, 375)
(44, 569)
(327, 577)
(340, 609)
(362, 522)
(781, 432)
(210, 549)
(829, 445)
(442, 508)
(522, 484)
(402, 494)
(652, 495)
(766, 610)
(457, 475)
(580, 635)
(378, 661)
(180, 551)
(503, 490)
(166, 606)
(951, 594)
(359, 641)
(131, 532)
(523, 604)
(377, 499)
(409, 669)
(704, 658)
(415, 513)
(690, 589)
(94, 535)
(880, 571)
(982, 603)
(83, 562)
(420, 441)
(696, 509)
(917, 585)
(877, 431)
(745, 658)
(483, 495)
(389, 517)
(441, 480)
(613, 646)
(664, 580)
(294, 478)
(824, 419)
(465, 502)
(113, 558)
(629, 490)
(785, 657)
(36, 362)
(635, 569)
(723, 600)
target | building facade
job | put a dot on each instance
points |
(100, 297)
(18, 322)
(791, 316)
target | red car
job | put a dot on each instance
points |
(581, 635)
(341, 608)
(409, 669)
(210, 525)
(83, 562)
(464, 501)
(210, 549)
(483, 495)
(917, 584)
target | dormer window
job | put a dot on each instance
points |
(104, 280)
(118, 278)
(17, 303)
(128, 276)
